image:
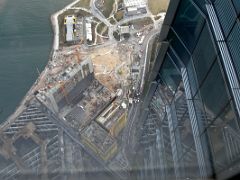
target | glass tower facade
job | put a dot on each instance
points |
(196, 99)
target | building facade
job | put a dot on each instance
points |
(196, 99)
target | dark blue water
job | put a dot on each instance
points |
(25, 44)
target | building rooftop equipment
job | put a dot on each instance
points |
(99, 141)
(70, 22)
(95, 98)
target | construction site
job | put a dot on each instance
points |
(71, 123)
(76, 107)
(74, 100)
(78, 99)
(94, 99)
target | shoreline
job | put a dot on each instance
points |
(30, 93)
(55, 48)
(55, 24)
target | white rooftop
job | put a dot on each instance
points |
(124, 29)
(136, 3)
(89, 31)
(69, 25)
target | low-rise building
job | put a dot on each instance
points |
(99, 141)
(132, 11)
(134, 7)
(135, 3)
(113, 118)
(124, 29)
(70, 22)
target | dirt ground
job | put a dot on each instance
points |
(158, 6)
(109, 81)
(111, 63)
(107, 62)
(109, 69)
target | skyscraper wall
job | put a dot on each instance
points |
(197, 92)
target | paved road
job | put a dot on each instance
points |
(98, 14)
(95, 12)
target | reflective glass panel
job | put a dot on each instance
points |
(234, 45)
(213, 92)
(178, 47)
(170, 75)
(203, 55)
(188, 23)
